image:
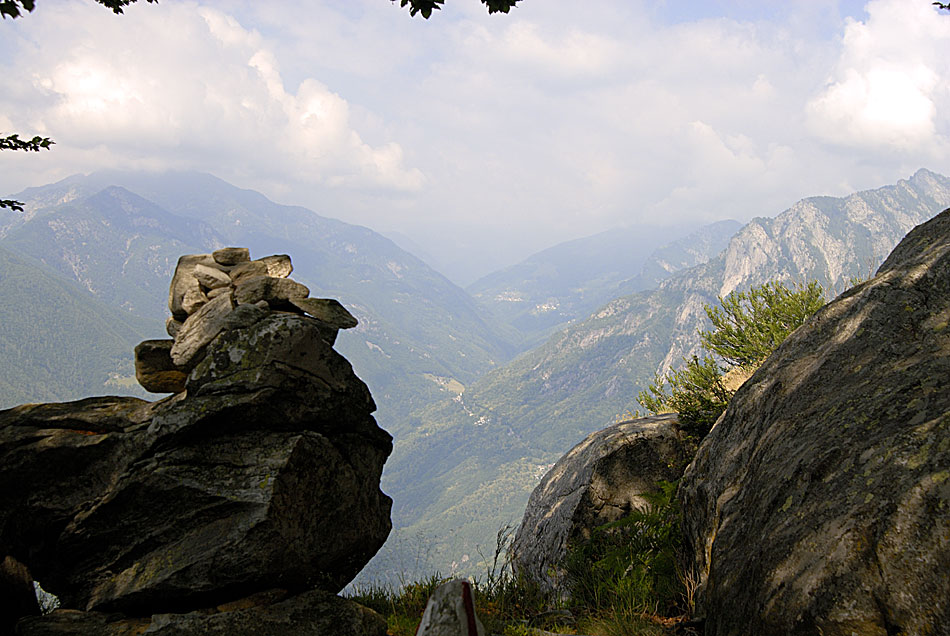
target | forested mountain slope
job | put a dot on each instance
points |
(57, 342)
(119, 235)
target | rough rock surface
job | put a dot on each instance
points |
(264, 473)
(16, 590)
(820, 501)
(154, 368)
(199, 329)
(598, 481)
(451, 612)
(313, 613)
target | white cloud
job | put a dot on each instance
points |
(885, 90)
(487, 137)
(203, 92)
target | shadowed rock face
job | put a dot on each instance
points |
(270, 612)
(600, 480)
(820, 501)
(264, 473)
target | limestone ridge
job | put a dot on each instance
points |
(258, 479)
(205, 291)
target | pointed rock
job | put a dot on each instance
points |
(185, 284)
(451, 612)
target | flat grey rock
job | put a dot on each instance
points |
(211, 277)
(231, 255)
(328, 310)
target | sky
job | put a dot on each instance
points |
(480, 139)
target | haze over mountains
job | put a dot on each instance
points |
(476, 408)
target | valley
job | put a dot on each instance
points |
(482, 388)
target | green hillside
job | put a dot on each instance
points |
(115, 244)
(417, 330)
(57, 342)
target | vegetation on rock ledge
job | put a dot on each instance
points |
(747, 327)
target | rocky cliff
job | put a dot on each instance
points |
(258, 479)
(820, 501)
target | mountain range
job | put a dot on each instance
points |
(495, 440)
(483, 388)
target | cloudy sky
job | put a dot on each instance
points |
(485, 138)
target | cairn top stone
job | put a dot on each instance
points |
(231, 255)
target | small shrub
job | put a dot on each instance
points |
(747, 328)
(629, 567)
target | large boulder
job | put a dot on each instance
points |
(600, 480)
(264, 473)
(820, 501)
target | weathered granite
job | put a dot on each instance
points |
(820, 501)
(600, 480)
(248, 269)
(278, 265)
(266, 474)
(184, 283)
(199, 329)
(276, 291)
(211, 277)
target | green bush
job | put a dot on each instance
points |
(747, 328)
(629, 567)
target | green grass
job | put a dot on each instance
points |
(625, 581)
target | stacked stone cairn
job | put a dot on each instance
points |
(241, 505)
(205, 291)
